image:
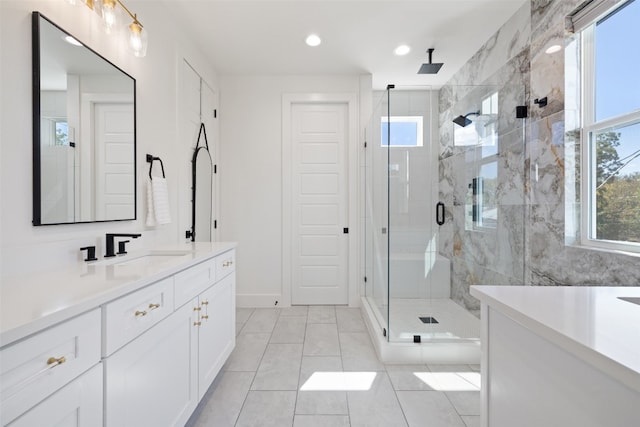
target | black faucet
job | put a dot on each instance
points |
(110, 242)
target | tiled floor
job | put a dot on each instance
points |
(266, 381)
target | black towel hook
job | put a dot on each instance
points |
(150, 160)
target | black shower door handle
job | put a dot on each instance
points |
(440, 213)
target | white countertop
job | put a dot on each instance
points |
(31, 303)
(590, 322)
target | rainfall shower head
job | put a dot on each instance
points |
(464, 120)
(430, 68)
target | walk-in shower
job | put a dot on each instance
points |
(418, 270)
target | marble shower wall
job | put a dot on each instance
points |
(529, 244)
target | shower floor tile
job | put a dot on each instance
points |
(453, 321)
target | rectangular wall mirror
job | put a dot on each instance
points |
(84, 132)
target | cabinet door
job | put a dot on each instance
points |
(79, 403)
(217, 330)
(152, 381)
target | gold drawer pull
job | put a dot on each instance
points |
(153, 306)
(197, 323)
(56, 361)
(227, 263)
(139, 313)
(204, 317)
(205, 303)
(197, 308)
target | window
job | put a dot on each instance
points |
(610, 150)
(406, 131)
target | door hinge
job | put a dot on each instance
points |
(365, 279)
(215, 114)
(215, 224)
(215, 168)
(365, 144)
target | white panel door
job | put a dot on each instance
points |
(319, 203)
(115, 179)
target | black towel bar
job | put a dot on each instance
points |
(150, 160)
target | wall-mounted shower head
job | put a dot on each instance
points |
(464, 120)
(430, 68)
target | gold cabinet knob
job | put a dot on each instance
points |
(139, 313)
(56, 361)
(197, 308)
(197, 323)
(204, 316)
(205, 302)
(153, 306)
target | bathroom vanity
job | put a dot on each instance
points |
(560, 356)
(131, 341)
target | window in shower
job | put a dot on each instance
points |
(401, 131)
(611, 128)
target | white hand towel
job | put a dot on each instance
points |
(161, 200)
(151, 213)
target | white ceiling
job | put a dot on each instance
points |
(266, 37)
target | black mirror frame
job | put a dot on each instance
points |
(37, 190)
(196, 151)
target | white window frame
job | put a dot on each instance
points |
(588, 147)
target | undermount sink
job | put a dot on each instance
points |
(149, 258)
(632, 300)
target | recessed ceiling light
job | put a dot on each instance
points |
(313, 40)
(553, 49)
(72, 41)
(401, 50)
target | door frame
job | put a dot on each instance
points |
(350, 99)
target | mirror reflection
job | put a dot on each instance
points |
(84, 132)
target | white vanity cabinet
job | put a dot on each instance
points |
(216, 330)
(45, 370)
(152, 381)
(114, 343)
(159, 377)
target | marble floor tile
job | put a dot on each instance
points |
(471, 421)
(267, 409)
(465, 402)
(289, 330)
(321, 314)
(376, 407)
(222, 403)
(358, 353)
(248, 352)
(321, 339)
(403, 377)
(320, 421)
(350, 320)
(419, 406)
(279, 368)
(262, 320)
(295, 310)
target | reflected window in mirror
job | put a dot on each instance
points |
(84, 132)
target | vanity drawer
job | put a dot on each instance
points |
(191, 282)
(131, 315)
(34, 368)
(225, 264)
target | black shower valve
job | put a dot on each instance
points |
(542, 102)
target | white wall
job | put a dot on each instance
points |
(25, 248)
(251, 174)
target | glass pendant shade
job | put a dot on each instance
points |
(109, 15)
(137, 39)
